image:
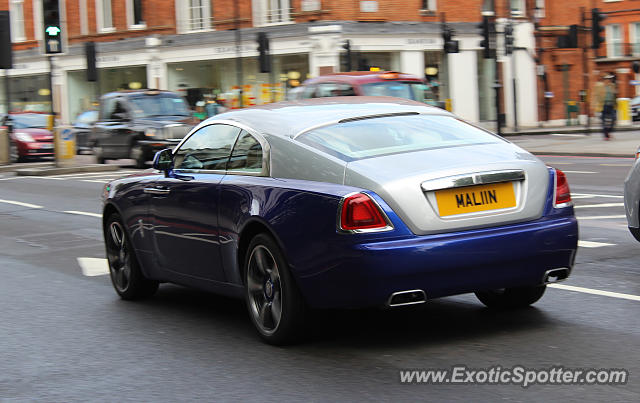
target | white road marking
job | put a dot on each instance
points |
(579, 172)
(17, 203)
(568, 135)
(95, 181)
(591, 244)
(595, 292)
(85, 174)
(92, 266)
(616, 165)
(586, 195)
(600, 205)
(601, 217)
(83, 213)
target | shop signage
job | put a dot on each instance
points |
(421, 41)
(232, 49)
(104, 59)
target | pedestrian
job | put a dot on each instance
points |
(604, 93)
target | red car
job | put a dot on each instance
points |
(368, 83)
(30, 137)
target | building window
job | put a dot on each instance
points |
(134, 14)
(269, 12)
(635, 38)
(104, 15)
(517, 7)
(194, 15)
(429, 5)
(487, 7)
(614, 40)
(539, 9)
(16, 10)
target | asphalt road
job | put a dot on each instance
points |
(65, 336)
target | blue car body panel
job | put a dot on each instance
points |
(335, 269)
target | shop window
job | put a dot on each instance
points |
(134, 14)
(16, 10)
(104, 15)
(269, 12)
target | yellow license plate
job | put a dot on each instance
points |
(471, 199)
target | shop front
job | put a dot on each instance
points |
(84, 95)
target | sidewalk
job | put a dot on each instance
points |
(622, 144)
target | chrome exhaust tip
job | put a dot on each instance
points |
(555, 275)
(410, 297)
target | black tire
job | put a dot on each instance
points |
(138, 154)
(269, 287)
(99, 153)
(14, 154)
(124, 269)
(511, 298)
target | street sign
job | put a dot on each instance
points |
(634, 82)
(548, 94)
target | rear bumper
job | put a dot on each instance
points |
(367, 274)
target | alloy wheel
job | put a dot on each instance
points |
(264, 289)
(119, 257)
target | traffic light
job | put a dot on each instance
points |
(90, 53)
(450, 46)
(569, 41)
(347, 46)
(52, 38)
(508, 38)
(264, 59)
(487, 27)
(596, 28)
(6, 54)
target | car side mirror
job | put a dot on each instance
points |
(163, 160)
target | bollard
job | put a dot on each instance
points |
(624, 112)
(65, 146)
(4, 146)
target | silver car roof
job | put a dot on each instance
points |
(287, 119)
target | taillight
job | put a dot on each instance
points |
(359, 212)
(563, 194)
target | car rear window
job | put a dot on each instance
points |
(147, 106)
(399, 89)
(28, 121)
(392, 135)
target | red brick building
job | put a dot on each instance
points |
(190, 46)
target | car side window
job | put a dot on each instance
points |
(208, 148)
(108, 107)
(246, 155)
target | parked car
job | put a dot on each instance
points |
(635, 109)
(342, 202)
(368, 83)
(82, 128)
(136, 124)
(30, 138)
(632, 197)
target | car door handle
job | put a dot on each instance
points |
(157, 191)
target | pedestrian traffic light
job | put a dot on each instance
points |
(487, 27)
(6, 54)
(450, 46)
(52, 38)
(508, 38)
(347, 46)
(264, 58)
(569, 41)
(596, 28)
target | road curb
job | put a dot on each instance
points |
(13, 167)
(67, 170)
